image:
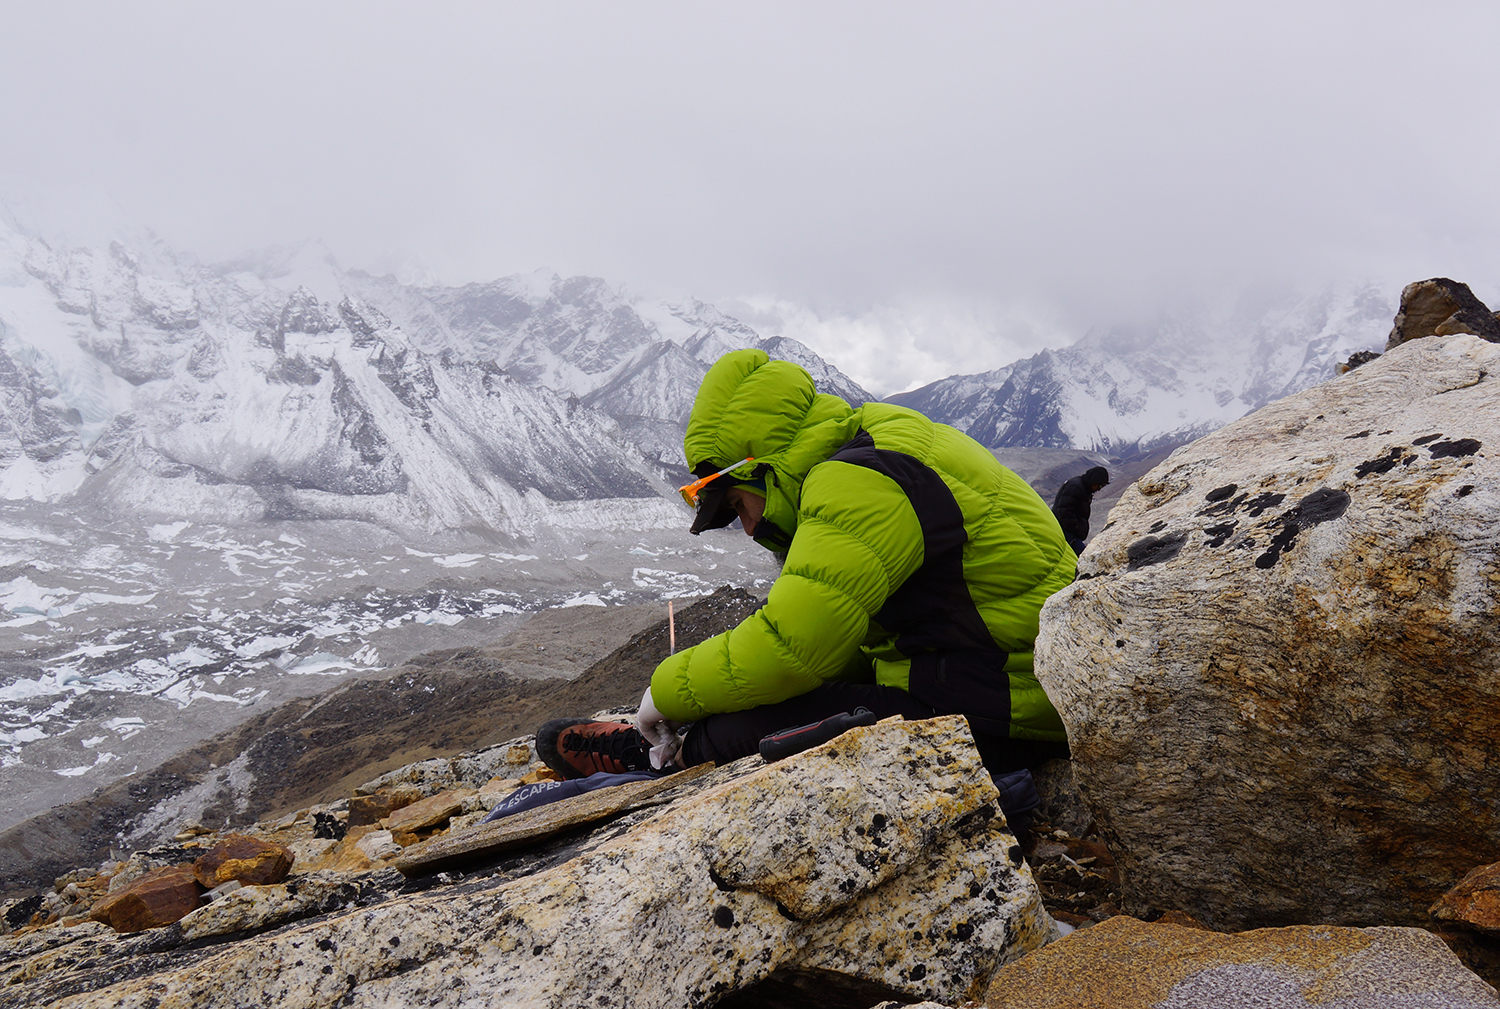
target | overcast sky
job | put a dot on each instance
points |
(914, 189)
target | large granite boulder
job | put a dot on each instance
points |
(1280, 665)
(875, 866)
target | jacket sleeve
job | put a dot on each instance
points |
(857, 540)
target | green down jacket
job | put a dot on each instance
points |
(912, 557)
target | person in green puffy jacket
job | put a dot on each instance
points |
(915, 568)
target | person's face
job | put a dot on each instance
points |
(748, 505)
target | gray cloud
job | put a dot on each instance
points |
(862, 161)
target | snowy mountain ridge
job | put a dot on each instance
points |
(136, 382)
(1125, 390)
(141, 384)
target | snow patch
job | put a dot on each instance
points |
(166, 532)
(669, 584)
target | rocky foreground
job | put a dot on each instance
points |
(1280, 670)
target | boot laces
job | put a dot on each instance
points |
(623, 745)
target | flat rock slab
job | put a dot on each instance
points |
(1124, 963)
(429, 812)
(531, 826)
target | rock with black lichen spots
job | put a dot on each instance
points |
(1303, 696)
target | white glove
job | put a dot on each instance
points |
(660, 733)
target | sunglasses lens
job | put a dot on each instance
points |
(690, 491)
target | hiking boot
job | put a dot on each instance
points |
(575, 748)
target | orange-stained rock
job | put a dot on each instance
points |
(540, 774)
(158, 898)
(248, 859)
(428, 812)
(1474, 901)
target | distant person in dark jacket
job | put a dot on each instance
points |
(1074, 501)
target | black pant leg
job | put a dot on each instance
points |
(1001, 754)
(723, 738)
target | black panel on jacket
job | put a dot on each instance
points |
(955, 665)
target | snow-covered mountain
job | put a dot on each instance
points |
(138, 383)
(1130, 389)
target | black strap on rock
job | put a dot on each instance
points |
(802, 737)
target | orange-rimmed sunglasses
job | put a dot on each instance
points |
(689, 491)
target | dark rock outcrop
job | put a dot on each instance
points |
(1441, 307)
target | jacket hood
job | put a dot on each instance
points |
(750, 405)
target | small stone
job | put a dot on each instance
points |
(536, 774)
(247, 859)
(158, 898)
(224, 889)
(378, 845)
(328, 826)
(1181, 918)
